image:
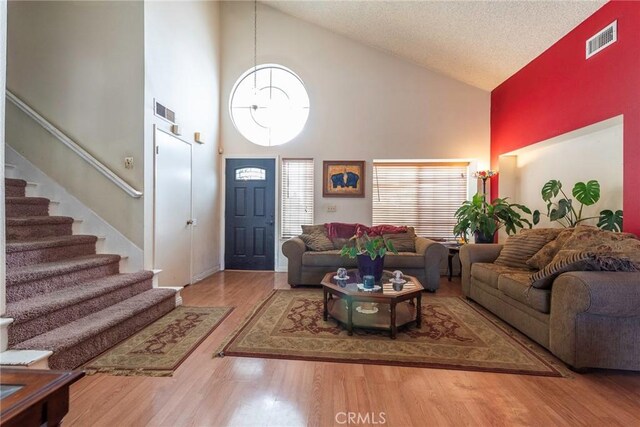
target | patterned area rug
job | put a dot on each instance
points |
(158, 349)
(455, 334)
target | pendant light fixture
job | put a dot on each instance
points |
(269, 104)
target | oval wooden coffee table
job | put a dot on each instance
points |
(384, 308)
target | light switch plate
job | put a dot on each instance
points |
(128, 162)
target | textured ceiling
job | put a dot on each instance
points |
(478, 42)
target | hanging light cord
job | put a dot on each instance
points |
(255, 43)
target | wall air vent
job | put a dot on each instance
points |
(604, 38)
(162, 111)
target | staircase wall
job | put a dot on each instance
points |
(81, 66)
(92, 223)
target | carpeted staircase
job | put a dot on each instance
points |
(63, 296)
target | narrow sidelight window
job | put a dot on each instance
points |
(296, 195)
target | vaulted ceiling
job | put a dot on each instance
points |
(481, 43)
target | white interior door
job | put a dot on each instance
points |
(172, 210)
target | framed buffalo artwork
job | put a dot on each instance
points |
(343, 178)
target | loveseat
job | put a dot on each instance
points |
(588, 319)
(308, 267)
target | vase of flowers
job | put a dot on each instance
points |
(369, 252)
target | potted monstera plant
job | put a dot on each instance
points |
(568, 213)
(370, 252)
(482, 219)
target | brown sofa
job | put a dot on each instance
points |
(588, 319)
(307, 267)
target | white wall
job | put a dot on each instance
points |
(80, 65)
(594, 152)
(365, 104)
(182, 71)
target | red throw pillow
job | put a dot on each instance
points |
(379, 230)
(340, 230)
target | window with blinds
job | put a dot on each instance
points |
(422, 195)
(296, 196)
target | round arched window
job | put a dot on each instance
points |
(269, 105)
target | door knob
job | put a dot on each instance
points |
(270, 222)
(190, 222)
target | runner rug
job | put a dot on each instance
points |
(455, 334)
(158, 349)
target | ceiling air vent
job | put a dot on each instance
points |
(164, 112)
(604, 38)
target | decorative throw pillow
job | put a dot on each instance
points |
(519, 248)
(613, 262)
(592, 239)
(577, 261)
(544, 256)
(317, 242)
(580, 261)
(402, 242)
(317, 228)
(549, 233)
(339, 242)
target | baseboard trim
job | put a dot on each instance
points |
(203, 275)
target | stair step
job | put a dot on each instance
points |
(36, 315)
(34, 359)
(79, 341)
(5, 322)
(32, 280)
(48, 249)
(26, 206)
(14, 187)
(38, 226)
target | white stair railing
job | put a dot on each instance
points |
(60, 136)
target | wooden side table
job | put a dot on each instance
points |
(453, 251)
(35, 397)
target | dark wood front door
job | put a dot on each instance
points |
(249, 214)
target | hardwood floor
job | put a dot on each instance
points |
(207, 391)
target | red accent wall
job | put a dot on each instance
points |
(561, 91)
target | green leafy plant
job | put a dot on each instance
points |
(566, 212)
(610, 220)
(478, 216)
(374, 246)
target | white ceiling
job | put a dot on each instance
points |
(478, 42)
